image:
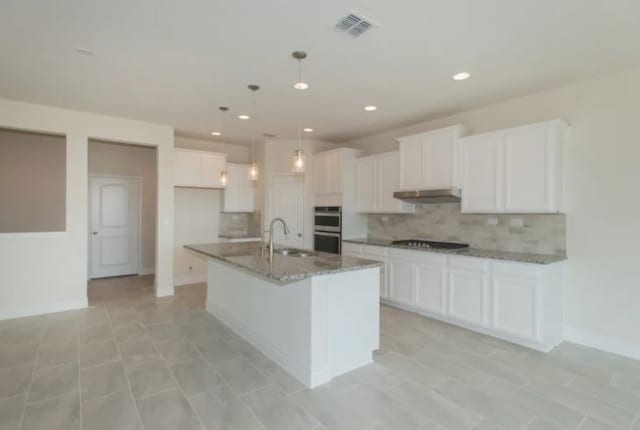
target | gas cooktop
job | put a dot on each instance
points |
(416, 243)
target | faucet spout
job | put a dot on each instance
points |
(286, 232)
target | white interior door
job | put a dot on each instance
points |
(114, 226)
(287, 203)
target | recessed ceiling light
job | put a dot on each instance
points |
(215, 133)
(370, 108)
(308, 130)
(243, 117)
(461, 76)
(300, 85)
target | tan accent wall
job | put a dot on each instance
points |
(32, 182)
(116, 159)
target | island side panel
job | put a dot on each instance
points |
(345, 322)
(273, 318)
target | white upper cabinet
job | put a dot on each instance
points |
(518, 170)
(430, 160)
(327, 172)
(376, 180)
(199, 169)
(240, 192)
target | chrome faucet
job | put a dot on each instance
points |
(286, 232)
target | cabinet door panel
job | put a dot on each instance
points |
(468, 296)
(439, 158)
(528, 169)
(410, 163)
(388, 181)
(334, 172)
(383, 272)
(366, 184)
(431, 287)
(401, 283)
(187, 168)
(320, 173)
(239, 192)
(514, 307)
(211, 168)
(481, 173)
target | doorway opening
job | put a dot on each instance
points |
(122, 210)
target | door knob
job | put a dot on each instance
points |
(94, 233)
(299, 234)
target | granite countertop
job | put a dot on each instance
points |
(522, 257)
(285, 269)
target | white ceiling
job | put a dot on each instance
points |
(174, 62)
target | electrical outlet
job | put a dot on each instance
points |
(190, 268)
(516, 222)
(385, 219)
(492, 221)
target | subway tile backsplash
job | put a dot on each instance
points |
(536, 233)
(240, 223)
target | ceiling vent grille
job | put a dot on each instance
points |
(354, 24)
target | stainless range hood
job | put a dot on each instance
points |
(444, 195)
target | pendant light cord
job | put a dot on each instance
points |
(253, 137)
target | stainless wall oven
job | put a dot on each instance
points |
(328, 229)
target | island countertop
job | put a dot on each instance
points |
(284, 269)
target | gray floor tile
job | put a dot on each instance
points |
(276, 374)
(411, 370)
(324, 404)
(131, 331)
(196, 376)
(15, 380)
(11, 412)
(177, 350)
(591, 423)
(460, 372)
(12, 355)
(276, 411)
(216, 350)
(98, 381)
(583, 402)
(240, 375)
(150, 378)
(54, 354)
(59, 413)
(538, 406)
(438, 408)
(116, 411)
(163, 331)
(96, 333)
(372, 375)
(99, 352)
(221, 409)
(251, 353)
(502, 411)
(22, 333)
(618, 396)
(140, 351)
(544, 424)
(60, 331)
(167, 411)
(490, 366)
(54, 381)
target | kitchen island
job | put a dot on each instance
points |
(315, 314)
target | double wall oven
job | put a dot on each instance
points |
(327, 229)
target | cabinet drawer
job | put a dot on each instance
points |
(351, 248)
(379, 251)
(520, 270)
(469, 263)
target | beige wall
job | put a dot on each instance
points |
(603, 287)
(47, 272)
(132, 160)
(32, 182)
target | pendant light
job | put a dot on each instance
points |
(224, 175)
(253, 167)
(299, 163)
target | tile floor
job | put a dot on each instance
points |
(132, 361)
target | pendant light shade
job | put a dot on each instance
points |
(253, 167)
(224, 176)
(299, 162)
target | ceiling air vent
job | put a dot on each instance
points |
(354, 24)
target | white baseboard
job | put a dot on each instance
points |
(603, 343)
(191, 278)
(44, 308)
(147, 271)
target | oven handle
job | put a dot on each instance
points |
(318, 233)
(333, 214)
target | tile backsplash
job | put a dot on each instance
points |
(537, 233)
(240, 223)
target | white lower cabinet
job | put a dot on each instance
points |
(469, 290)
(518, 302)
